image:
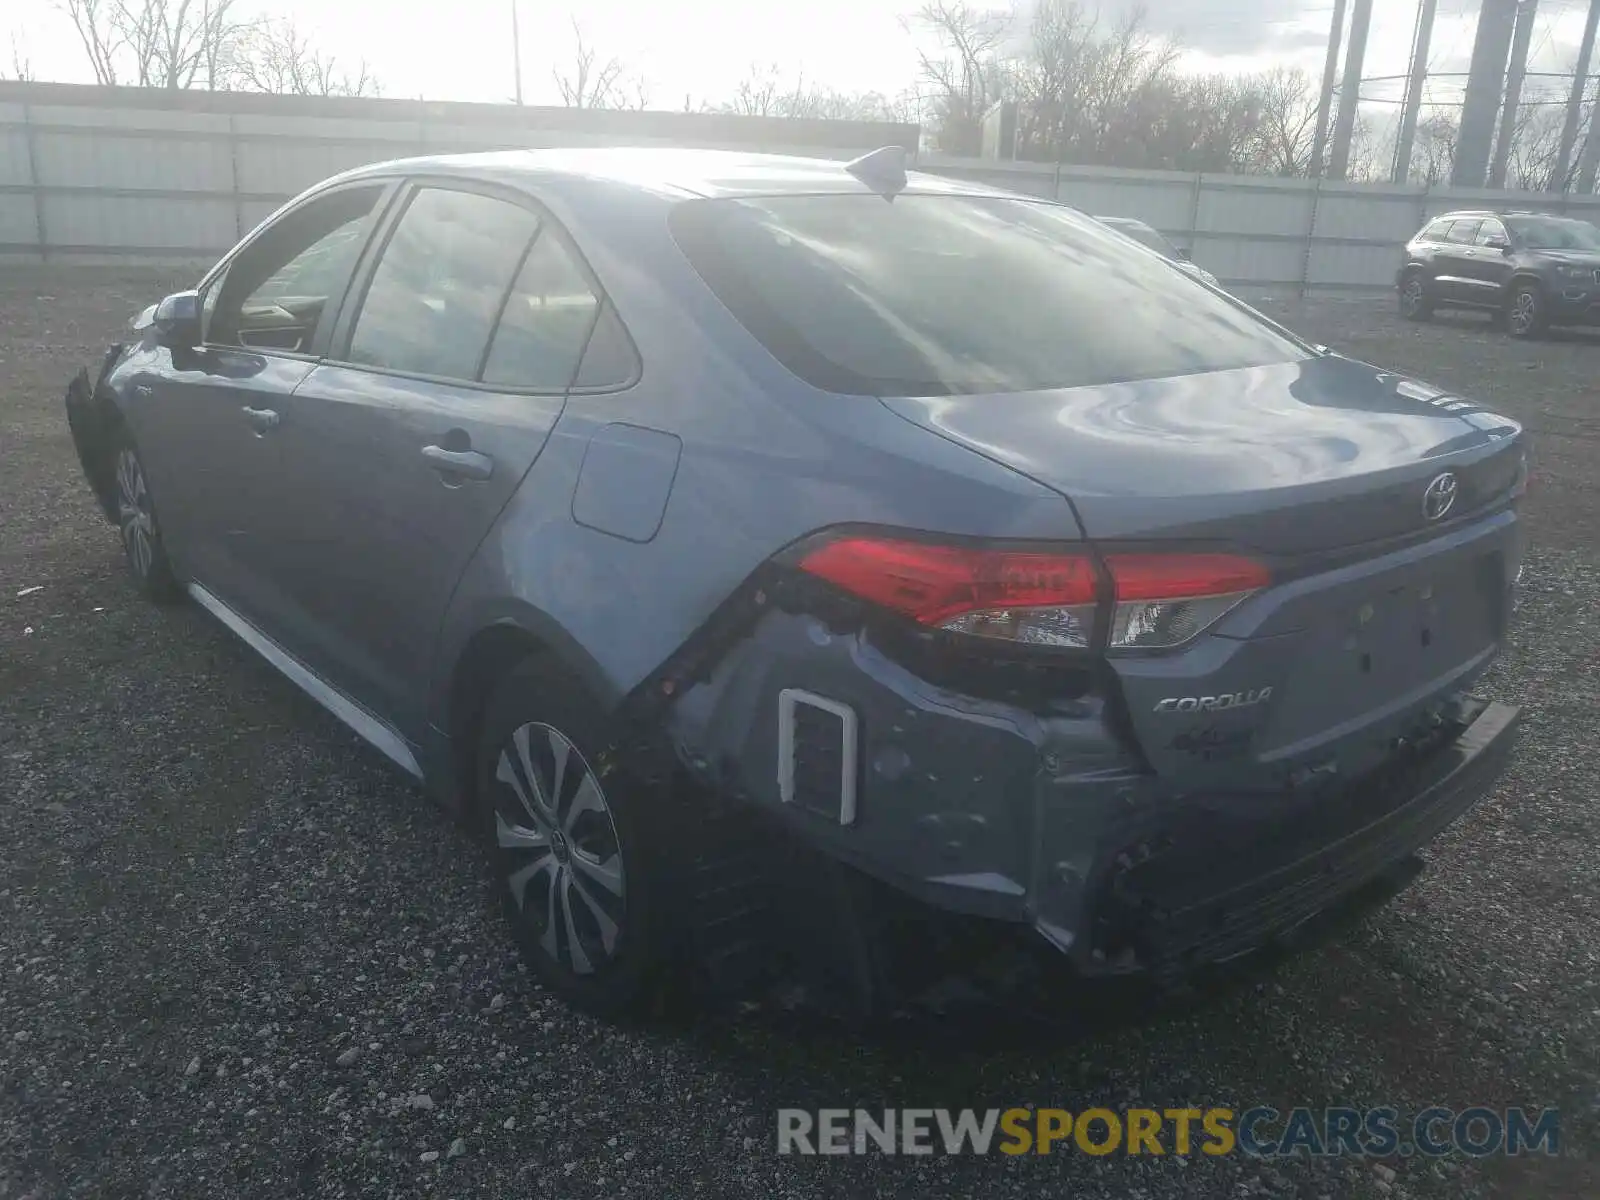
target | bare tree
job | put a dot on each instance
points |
(99, 32)
(590, 82)
(21, 64)
(277, 57)
(1286, 132)
(759, 94)
(965, 71)
(763, 92)
(1434, 153)
(159, 43)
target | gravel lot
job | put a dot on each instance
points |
(239, 956)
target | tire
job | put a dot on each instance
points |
(1525, 315)
(138, 526)
(578, 833)
(1416, 304)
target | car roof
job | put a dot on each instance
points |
(669, 172)
(1499, 212)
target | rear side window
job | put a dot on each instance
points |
(944, 295)
(546, 321)
(438, 289)
(1464, 233)
(1436, 232)
(611, 361)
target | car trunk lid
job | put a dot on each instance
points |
(1291, 458)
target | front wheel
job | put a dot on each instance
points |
(142, 543)
(1415, 303)
(1525, 314)
(578, 840)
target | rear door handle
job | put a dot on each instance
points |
(261, 419)
(459, 464)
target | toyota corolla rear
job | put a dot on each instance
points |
(1232, 693)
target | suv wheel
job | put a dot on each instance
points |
(577, 841)
(141, 531)
(1415, 303)
(1525, 311)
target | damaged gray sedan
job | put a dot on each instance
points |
(674, 515)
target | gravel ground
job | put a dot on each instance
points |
(240, 956)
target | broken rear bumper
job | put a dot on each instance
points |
(1041, 815)
(1217, 889)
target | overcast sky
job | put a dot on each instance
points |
(460, 49)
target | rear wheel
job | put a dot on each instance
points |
(1525, 312)
(578, 844)
(1416, 304)
(142, 543)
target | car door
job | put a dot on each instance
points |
(265, 312)
(1454, 262)
(1491, 264)
(442, 386)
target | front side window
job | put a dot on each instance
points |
(942, 295)
(438, 288)
(275, 292)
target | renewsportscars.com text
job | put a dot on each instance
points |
(1259, 1132)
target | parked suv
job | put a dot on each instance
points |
(1531, 270)
(668, 514)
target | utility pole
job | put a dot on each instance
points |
(1589, 166)
(1330, 72)
(1514, 77)
(1419, 75)
(1350, 89)
(1580, 88)
(516, 49)
(1496, 21)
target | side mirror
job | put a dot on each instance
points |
(177, 321)
(1498, 243)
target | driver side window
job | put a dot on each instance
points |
(277, 290)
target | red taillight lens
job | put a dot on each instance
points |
(1174, 576)
(1046, 599)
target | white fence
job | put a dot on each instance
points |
(98, 173)
(1259, 230)
(129, 173)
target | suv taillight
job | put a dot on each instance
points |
(1039, 598)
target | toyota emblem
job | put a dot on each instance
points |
(1439, 496)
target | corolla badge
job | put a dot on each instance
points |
(1220, 703)
(1439, 496)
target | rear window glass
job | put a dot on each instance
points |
(944, 295)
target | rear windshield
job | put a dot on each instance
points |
(943, 295)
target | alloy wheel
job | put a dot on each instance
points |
(135, 517)
(560, 854)
(1524, 311)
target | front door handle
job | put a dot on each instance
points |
(459, 464)
(262, 420)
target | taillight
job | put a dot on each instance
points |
(1163, 600)
(1039, 598)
